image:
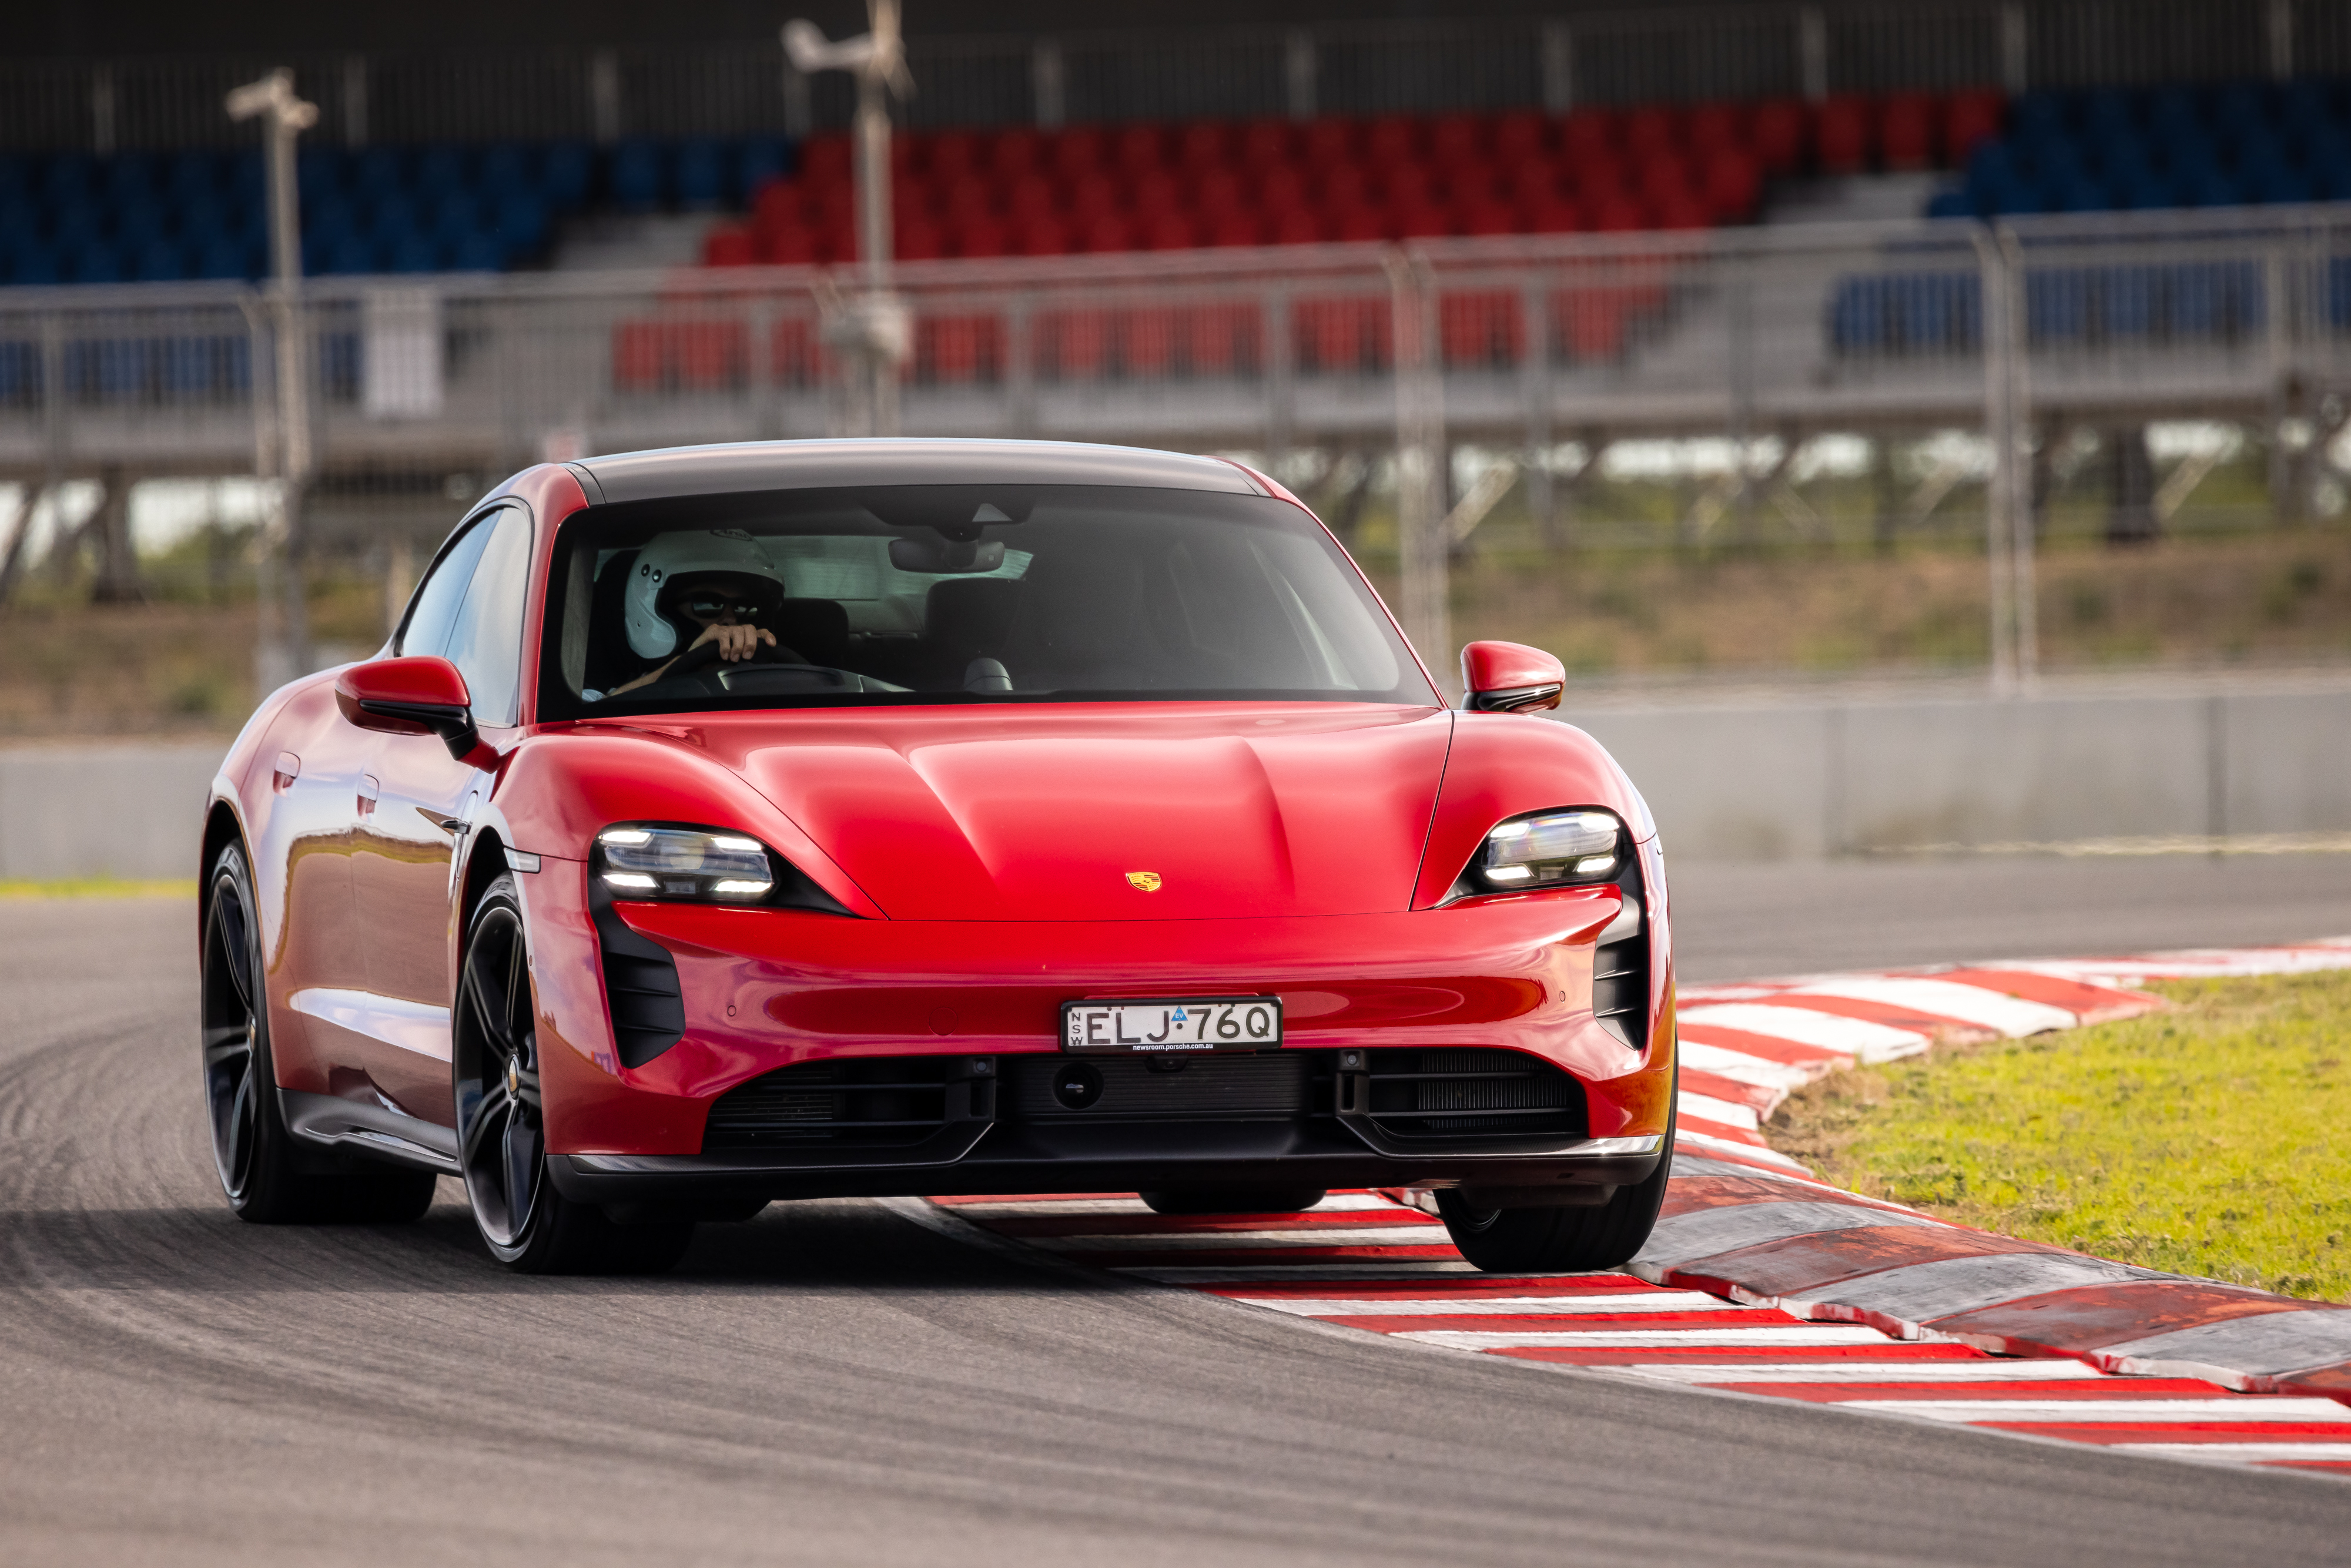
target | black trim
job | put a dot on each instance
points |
(641, 985)
(1457, 1097)
(1621, 965)
(1515, 699)
(372, 1132)
(453, 724)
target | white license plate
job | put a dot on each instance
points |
(1185, 1023)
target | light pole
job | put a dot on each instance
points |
(284, 649)
(872, 330)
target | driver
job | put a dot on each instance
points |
(701, 589)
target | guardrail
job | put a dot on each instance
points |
(740, 86)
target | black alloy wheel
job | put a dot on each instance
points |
(1581, 1240)
(261, 1172)
(1232, 1199)
(524, 1222)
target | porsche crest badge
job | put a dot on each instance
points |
(1143, 881)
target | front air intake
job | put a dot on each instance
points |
(1459, 1095)
(871, 1101)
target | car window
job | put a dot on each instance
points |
(434, 607)
(924, 593)
(485, 637)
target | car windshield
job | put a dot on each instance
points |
(960, 593)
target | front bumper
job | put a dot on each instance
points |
(767, 989)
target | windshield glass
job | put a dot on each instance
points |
(958, 594)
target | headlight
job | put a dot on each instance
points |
(1551, 849)
(708, 863)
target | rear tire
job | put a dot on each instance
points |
(1586, 1240)
(520, 1217)
(1232, 1199)
(255, 1157)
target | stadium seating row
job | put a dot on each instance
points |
(1942, 313)
(2113, 149)
(1158, 187)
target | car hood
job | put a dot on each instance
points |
(1074, 814)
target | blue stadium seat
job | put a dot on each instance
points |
(378, 172)
(638, 176)
(570, 174)
(222, 255)
(414, 251)
(1857, 315)
(478, 252)
(700, 175)
(20, 373)
(160, 260)
(443, 170)
(110, 369)
(96, 261)
(66, 178)
(2057, 304)
(2216, 298)
(759, 159)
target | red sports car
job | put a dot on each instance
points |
(808, 819)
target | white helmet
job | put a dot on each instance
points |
(665, 567)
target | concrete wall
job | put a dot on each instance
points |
(103, 810)
(1811, 781)
(1771, 780)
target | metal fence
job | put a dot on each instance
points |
(743, 86)
(1764, 339)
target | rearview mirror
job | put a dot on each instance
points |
(418, 695)
(1510, 677)
(946, 556)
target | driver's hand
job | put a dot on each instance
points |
(736, 643)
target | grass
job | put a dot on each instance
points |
(2206, 1139)
(97, 887)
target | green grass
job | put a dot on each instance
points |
(97, 887)
(2213, 1138)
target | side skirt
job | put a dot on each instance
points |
(370, 1134)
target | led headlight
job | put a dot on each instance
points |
(1551, 849)
(707, 863)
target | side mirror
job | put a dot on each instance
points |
(1510, 677)
(419, 696)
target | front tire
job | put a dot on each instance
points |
(1587, 1241)
(520, 1217)
(253, 1155)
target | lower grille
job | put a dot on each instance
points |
(874, 1102)
(1452, 1092)
(1223, 1086)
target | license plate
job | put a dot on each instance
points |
(1183, 1024)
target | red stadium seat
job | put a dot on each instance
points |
(825, 157)
(1906, 128)
(1487, 214)
(1777, 132)
(1279, 187)
(1392, 139)
(1553, 213)
(979, 235)
(1712, 127)
(1223, 338)
(1408, 183)
(1651, 131)
(1613, 213)
(1419, 220)
(1146, 341)
(1588, 133)
(728, 244)
(639, 355)
(1167, 228)
(1329, 143)
(1969, 118)
(1480, 329)
(1140, 147)
(1520, 135)
(919, 241)
(709, 355)
(1104, 231)
(1730, 184)
(954, 155)
(1843, 131)
(958, 348)
(1042, 233)
(1298, 225)
(1016, 152)
(1233, 226)
(1265, 143)
(1033, 196)
(1356, 224)
(1204, 145)
(1457, 140)
(1078, 152)
(1343, 337)
(1073, 345)
(789, 247)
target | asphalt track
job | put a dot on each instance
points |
(834, 1384)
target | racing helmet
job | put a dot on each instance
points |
(672, 564)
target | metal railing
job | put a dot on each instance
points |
(1764, 339)
(743, 86)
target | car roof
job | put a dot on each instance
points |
(753, 465)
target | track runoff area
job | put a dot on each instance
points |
(1762, 1280)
